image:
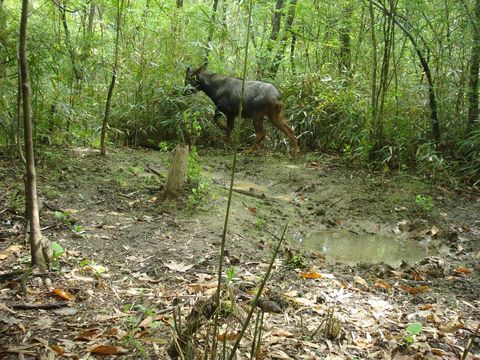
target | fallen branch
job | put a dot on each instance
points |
(250, 193)
(52, 207)
(335, 202)
(153, 170)
(40, 306)
(18, 275)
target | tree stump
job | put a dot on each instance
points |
(177, 172)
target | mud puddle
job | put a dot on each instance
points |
(366, 248)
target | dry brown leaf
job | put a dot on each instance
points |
(417, 277)
(252, 210)
(426, 307)
(361, 281)
(452, 328)
(180, 267)
(63, 294)
(438, 352)
(58, 349)
(107, 350)
(88, 335)
(228, 336)
(41, 340)
(9, 251)
(311, 275)
(269, 306)
(381, 284)
(415, 290)
(398, 274)
(113, 332)
(281, 332)
(142, 334)
(434, 231)
(146, 322)
(463, 270)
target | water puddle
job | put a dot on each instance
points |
(260, 191)
(353, 249)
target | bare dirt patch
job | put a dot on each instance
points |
(131, 257)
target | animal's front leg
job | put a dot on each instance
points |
(217, 120)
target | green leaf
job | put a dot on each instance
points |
(57, 249)
(84, 263)
(59, 215)
(414, 328)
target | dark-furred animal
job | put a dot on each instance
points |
(259, 99)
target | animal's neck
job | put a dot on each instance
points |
(207, 84)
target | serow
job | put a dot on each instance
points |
(259, 99)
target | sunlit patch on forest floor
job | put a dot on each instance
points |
(130, 258)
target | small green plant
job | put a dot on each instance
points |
(191, 125)
(260, 223)
(64, 216)
(57, 251)
(412, 330)
(194, 167)
(84, 263)
(230, 272)
(198, 195)
(135, 170)
(348, 151)
(424, 203)
(297, 262)
(77, 229)
(165, 146)
(131, 341)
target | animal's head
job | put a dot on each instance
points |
(191, 79)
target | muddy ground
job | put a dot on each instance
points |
(130, 256)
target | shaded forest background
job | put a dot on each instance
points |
(392, 82)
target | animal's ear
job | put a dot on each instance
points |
(199, 70)
(188, 69)
(204, 66)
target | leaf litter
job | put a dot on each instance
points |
(121, 289)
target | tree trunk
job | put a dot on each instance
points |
(276, 22)
(264, 59)
(88, 37)
(345, 56)
(283, 41)
(35, 235)
(3, 42)
(374, 99)
(68, 43)
(211, 30)
(474, 68)
(177, 172)
(103, 147)
(434, 121)
(292, 52)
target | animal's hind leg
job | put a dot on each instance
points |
(278, 120)
(259, 132)
(229, 129)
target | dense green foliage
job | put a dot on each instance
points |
(345, 90)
